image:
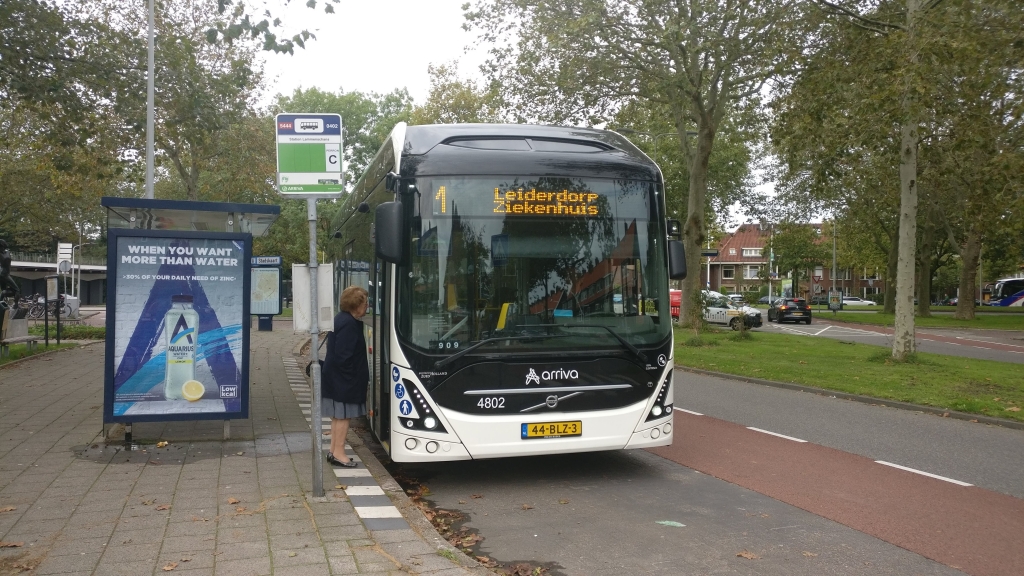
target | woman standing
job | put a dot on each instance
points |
(346, 373)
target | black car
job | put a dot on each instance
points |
(784, 309)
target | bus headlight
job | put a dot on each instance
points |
(660, 408)
(425, 418)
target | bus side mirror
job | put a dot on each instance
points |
(676, 260)
(389, 236)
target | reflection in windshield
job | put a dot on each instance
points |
(493, 257)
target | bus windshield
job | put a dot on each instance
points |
(570, 261)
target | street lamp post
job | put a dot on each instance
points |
(76, 281)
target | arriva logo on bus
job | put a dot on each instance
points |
(559, 374)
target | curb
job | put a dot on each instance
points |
(990, 420)
(412, 513)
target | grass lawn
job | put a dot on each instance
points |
(975, 386)
(1005, 321)
(19, 351)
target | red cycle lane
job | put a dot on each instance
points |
(974, 530)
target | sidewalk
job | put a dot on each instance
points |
(72, 503)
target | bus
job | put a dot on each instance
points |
(1007, 292)
(518, 282)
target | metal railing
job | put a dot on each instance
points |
(51, 258)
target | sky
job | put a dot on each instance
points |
(371, 46)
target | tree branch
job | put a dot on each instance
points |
(862, 21)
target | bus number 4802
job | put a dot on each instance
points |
(490, 403)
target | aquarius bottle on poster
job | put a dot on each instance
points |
(181, 330)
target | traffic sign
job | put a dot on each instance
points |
(817, 278)
(64, 250)
(709, 253)
(309, 155)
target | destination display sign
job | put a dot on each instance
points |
(533, 202)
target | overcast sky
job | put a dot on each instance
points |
(372, 46)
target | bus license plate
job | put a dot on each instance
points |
(552, 429)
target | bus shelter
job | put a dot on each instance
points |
(178, 305)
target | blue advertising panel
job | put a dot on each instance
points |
(177, 325)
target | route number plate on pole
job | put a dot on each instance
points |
(309, 155)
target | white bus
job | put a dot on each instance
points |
(518, 278)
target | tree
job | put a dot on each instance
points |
(798, 247)
(452, 100)
(580, 60)
(871, 91)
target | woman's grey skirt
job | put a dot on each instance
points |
(341, 410)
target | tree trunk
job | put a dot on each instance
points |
(890, 279)
(903, 342)
(970, 256)
(693, 229)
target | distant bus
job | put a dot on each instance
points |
(1007, 292)
(519, 285)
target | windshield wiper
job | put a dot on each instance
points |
(630, 347)
(465, 351)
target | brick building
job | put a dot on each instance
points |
(742, 267)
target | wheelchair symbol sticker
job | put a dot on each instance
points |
(399, 391)
(405, 407)
(395, 375)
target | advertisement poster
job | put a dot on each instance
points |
(177, 325)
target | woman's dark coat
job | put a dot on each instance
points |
(345, 374)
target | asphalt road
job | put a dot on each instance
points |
(824, 506)
(1000, 345)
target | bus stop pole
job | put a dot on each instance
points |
(315, 420)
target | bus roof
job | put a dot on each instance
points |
(470, 149)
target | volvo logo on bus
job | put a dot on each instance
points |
(557, 374)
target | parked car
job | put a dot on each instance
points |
(855, 301)
(764, 300)
(784, 309)
(722, 310)
(737, 298)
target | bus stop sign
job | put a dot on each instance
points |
(309, 155)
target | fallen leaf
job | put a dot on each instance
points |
(7, 509)
(170, 566)
(1013, 409)
(186, 559)
(748, 555)
(148, 502)
(233, 500)
(339, 486)
(563, 501)
(803, 362)
(240, 509)
(239, 453)
(809, 554)
(527, 507)
(164, 507)
(161, 444)
(293, 554)
(476, 496)
(484, 559)
(11, 544)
